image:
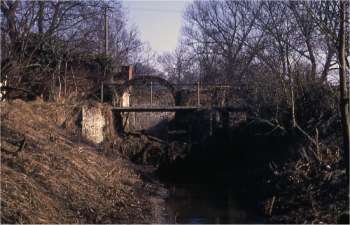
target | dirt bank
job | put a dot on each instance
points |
(50, 175)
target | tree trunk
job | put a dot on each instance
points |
(9, 11)
(312, 59)
(327, 64)
(343, 79)
(41, 15)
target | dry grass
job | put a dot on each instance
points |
(54, 179)
(313, 189)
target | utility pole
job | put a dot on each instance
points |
(106, 32)
(106, 51)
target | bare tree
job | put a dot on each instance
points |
(343, 52)
(179, 65)
(332, 20)
(41, 40)
(219, 30)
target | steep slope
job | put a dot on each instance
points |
(47, 176)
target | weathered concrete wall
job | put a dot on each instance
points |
(141, 96)
(93, 123)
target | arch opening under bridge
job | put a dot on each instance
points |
(125, 88)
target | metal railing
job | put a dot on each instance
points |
(197, 87)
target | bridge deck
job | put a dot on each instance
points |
(175, 108)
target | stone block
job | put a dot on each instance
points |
(93, 123)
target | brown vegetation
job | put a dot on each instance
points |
(312, 188)
(53, 178)
(287, 61)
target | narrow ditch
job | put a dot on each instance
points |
(219, 176)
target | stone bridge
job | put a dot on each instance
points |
(136, 107)
(121, 86)
(143, 102)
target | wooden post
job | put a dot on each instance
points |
(130, 72)
(210, 122)
(151, 93)
(134, 125)
(198, 94)
(225, 119)
(102, 92)
(167, 129)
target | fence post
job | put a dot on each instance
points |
(198, 94)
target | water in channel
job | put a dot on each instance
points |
(202, 204)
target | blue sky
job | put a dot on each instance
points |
(159, 22)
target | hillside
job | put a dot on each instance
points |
(49, 175)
